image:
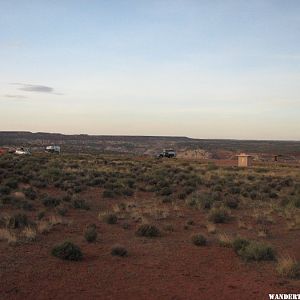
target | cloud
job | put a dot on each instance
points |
(36, 88)
(14, 96)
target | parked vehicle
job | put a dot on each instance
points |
(53, 149)
(169, 153)
(22, 151)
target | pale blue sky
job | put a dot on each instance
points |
(205, 69)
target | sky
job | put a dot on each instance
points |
(202, 69)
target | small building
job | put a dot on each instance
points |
(244, 160)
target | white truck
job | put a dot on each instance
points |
(22, 151)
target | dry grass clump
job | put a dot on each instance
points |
(44, 227)
(29, 234)
(288, 267)
(7, 235)
(225, 240)
(211, 228)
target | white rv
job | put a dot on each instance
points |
(53, 149)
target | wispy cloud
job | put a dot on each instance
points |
(36, 88)
(14, 96)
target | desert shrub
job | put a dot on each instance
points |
(4, 190)
(218, 188)
(199, 240)
(252, 250)
(288, 267)
(190, 222)
(108, 194)
(225, 240)
(66, 198)
(253, 195)
(12, 183)
(165, 191)
(204, 201)
(168, 227)
(148, 230)
(67, 251)
(17, 221)
(80, 204)
(90, 233)
(239, 243)
(273, 195)
(62, 211)
(30, 193)
(219, 215)
(41, 215)
(118, 250)
(25, 205)
(257, 251)
(108, 218)
(232, 203)
(50, 201)
(126, 192)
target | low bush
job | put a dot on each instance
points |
(199, 240)
(219, 215)
(17, 221)
(148, 230)
(67, 251)
(108, 218)
(118, 250)
(252, 250)
(30, 193)
(90, 233)
(232, 203)
(80, 204)
(50, 201)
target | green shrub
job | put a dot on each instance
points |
(239, 243)
(148, 230)
(219, 215)
(199, 240)
(67, 251)
(118, 250)
(257, 251)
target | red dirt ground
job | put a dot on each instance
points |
(168, 267)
